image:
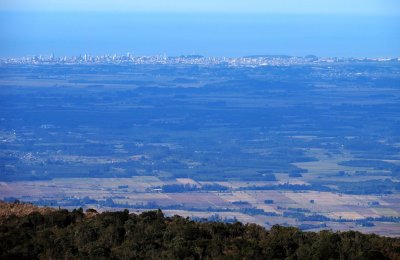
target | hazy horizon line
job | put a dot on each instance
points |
(188, 55)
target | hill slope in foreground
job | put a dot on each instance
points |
(31, 232)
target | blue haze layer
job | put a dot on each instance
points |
(206, 34)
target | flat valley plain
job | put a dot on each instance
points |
(314, 146)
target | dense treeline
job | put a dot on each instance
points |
(151, 235)
(179, 188)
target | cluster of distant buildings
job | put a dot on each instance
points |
(255, 60)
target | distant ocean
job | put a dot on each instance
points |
(205, 34)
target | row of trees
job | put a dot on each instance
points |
(179, 188)
(151, 235)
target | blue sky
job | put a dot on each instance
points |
(380, 7)
(342, 28)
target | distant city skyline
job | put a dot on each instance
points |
(131, 55)
(247, 61)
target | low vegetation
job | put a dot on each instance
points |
(20, 209)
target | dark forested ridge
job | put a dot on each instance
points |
(63, 234)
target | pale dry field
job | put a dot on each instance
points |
(140, 190)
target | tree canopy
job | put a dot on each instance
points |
(73, 234)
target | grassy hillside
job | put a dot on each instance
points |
(61, 234)
(20, 209)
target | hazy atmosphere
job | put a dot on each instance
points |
(213, 28)
(203, 129)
